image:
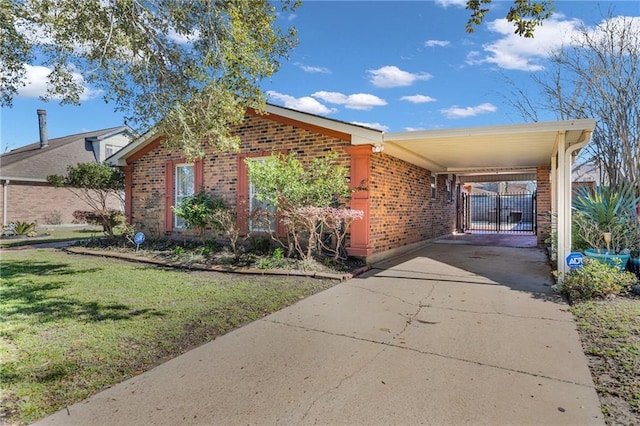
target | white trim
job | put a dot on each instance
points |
(509, 129)
(23, 179)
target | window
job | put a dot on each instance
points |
(109, 150)
(185, 185)
(255, 204)
(433, 187)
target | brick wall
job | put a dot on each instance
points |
(258, 136)
(402, 211)
(42, 203)
(543, 204)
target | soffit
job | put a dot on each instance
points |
(513, 148)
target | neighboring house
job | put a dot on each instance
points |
(589, 172)
(26, 195)
(412, 178)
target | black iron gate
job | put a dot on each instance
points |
(506, 213)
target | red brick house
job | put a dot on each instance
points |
(400, 206)
(25, 194)
(412, 177)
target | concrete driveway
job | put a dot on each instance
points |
(451, 334)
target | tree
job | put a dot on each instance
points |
(305, 196)
(95, 184)
(284, 181)
(526, 15)
(188, 68)
(597, 76)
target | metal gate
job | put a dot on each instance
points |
(513, 213)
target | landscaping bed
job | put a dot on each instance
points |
(257, 257)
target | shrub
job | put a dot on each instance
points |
(196, 210)
(24, 228)
(108, 219)
(595, 280)
(53, 218)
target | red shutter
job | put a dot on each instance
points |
(128, 193)
(198, 169)
(168, 195)
(242, 196)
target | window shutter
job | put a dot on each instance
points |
(242, 194)
(168, 195)
(198, 169)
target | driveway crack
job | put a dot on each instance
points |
(338, 385)
(499, 313)
(423, 352)
(387, 294)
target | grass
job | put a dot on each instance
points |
(72, 325)
(610, 334)
(53, 234)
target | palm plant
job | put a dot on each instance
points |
(605, 205)
(607, 211)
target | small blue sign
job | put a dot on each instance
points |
(139, 238)
(574, 260)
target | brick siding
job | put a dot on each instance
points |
(258, 136)
(40, 203)
(543, 204)
(402, 211)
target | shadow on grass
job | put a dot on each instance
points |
(44, 303)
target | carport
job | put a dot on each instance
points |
(534, 151)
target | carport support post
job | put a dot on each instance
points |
(560, 193)
(565, 159)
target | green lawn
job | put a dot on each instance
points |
(610, 334)
(71, 325)
(54, 234)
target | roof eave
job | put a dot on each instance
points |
(585, 124)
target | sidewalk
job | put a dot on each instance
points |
(450, 334)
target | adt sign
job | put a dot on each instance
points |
(574, 260)
(139, 238)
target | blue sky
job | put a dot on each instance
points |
(395, 66)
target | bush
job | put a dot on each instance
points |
(197, 209)
(108, 219)
(595, 280)
(24, 228)
(53, 218)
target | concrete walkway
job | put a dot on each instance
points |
(451, 334)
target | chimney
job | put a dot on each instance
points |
(42, 125)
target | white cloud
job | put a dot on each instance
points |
(312, 69)
(616, 23)
(447, 3)
(437, 43)
(392, 76)
(418, 99)
(376, 126)
(36, 79)
(513, 52)
(305, 103)
(183, 38)
(455, 111)
(413, 129)
(360, 101)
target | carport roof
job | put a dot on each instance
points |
(507, 149)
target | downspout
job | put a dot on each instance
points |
(568, 192)
(5, 187)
